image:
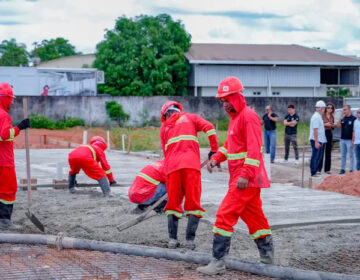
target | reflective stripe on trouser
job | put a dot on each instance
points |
(8, 185)
(245, 204)
(90, 167)
(180, 184)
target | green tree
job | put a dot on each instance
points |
(13, 53)
(116, 112)
(144, 55)
(53, 48)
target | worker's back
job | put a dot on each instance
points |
(83, 152)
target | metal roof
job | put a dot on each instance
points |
(258, 54)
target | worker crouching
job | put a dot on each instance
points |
(87, 158)
(242, 150)
(180, 146)
(8, 183)
(148, 187)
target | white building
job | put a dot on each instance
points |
(270, 70)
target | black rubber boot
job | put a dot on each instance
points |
(193, 223)
(221, 247)
(160, 207)
(105, 187)
(72, 183)
(140, 208)
(173, 223)
(266, 249)
(5, 217)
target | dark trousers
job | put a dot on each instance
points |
(327, 152)
(357, 155)
(291, 138)
(315, 157)
(6, 211)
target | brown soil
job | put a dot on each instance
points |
(348, 184)
(50, 139)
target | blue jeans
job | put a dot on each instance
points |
(316, 155)
(345, 147)
(160, 191)
(270, 143)
(357, 154)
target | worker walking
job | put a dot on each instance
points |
(180, 144)
(87, 158)
(8, 183)
(148, 187)
(242, 149)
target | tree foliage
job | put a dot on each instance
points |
(144, 56)
(13, 53)
(116, 112)
(53, 48)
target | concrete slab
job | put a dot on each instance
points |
(284, 205)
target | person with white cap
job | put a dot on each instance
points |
(317, 137)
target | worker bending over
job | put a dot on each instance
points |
(8, 183)
(242, 149)
(87, 158)
(180, 144)
(148, 187)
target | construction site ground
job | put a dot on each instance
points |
(312, 229)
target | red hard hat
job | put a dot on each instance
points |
(6, 90)
(167, 105)
(229, 86)
(99, 141)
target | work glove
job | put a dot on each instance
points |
(24, 124)
(211, 154)
(113, 183)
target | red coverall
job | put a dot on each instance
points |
(146, 182)
(87, 158)
(180, 145)
(8, 184)
(242, 149)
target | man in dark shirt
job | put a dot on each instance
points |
(290, 136)
(346, 122)
(269, 121)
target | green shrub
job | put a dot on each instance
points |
(116, 112)
(40, 121)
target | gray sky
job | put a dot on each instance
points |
(330, 24)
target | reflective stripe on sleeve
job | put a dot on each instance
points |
(260, 232)
(223, 151)
(253, 162)
(237, 156)
(11, 136)
(108, 171)
(148, 178)
(175, 213)
(92, 150)
(222, 232)
(210, 132)
(181, 138)
(7, 202)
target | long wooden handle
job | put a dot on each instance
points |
(28, 173)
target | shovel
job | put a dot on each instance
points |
(29, 214)
(145, 216)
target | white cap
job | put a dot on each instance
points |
(320, 104)
(172, 108)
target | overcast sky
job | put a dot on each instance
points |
(330, 24)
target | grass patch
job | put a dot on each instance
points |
(40, 121)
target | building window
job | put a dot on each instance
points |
(256, 92)
(276, 93)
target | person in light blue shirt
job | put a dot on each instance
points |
(317, 137)
(356, 139)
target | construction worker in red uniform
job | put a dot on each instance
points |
(180, 144)
(242, 150)
(87, 158)
(148, 187)
(8, 183)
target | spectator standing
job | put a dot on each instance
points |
(317, 137)
(269, 121)
(329, 124)
(356, 139)
(291, 121)
(346, 123)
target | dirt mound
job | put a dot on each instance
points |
(49, 139)
(348, 184)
